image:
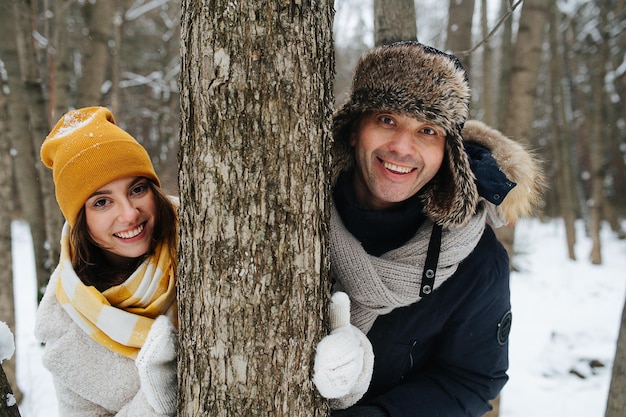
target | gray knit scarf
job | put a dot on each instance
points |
(377, 285)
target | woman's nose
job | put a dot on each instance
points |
(128, 212)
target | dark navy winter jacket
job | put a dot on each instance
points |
(446, 355)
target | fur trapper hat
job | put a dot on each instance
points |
(423, 82)
(86, 150)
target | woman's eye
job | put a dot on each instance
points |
(100, 202)
(139, 189)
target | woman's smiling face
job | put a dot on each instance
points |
(396, 155)
(120, 217)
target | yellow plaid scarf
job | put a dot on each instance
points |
(120, 317)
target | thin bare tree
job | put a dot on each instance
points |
(561, 134)
(505, 63)
(597, 146)
(487, 98)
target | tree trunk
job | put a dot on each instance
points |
(597, 147)
(561, 132)
(616, 402)
(459, 30)
(8, 406)
(39, 126)
(98, 21)
(487, 97)
(520, 113)
(60, 61)
(17, 52)
(394, 21)
(256, 101)
(519, 116)
(506, 63)
(7, 302)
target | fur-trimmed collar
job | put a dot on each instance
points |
(519, 164)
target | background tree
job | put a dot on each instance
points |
(394, 20)
(519, 115)
(487, 97)
(459, 29)
(598, 133)
(26, 122)
(256, 101)
(7, 305)
(561, 141)
(505, 64)
(98, 18)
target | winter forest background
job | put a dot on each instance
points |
(549, 73)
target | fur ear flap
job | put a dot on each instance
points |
(451, 197)
(518, 163)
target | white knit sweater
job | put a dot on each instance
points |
(90, 380)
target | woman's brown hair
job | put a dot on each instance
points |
(88, 259)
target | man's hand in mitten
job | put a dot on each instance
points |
(344, 360)
(156, 363)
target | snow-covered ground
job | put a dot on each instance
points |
(566, 317)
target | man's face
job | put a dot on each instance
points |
(396, 155)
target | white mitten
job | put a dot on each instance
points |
(156, 363)
(344, 359)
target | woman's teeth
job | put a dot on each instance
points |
(132, 233)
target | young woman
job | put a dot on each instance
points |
(108, 317)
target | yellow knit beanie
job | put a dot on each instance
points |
(86, 150)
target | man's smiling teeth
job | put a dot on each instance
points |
(132, 233)
(397, 168)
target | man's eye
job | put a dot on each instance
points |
(429, 131)
(387, 120)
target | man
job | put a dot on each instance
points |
(415, 188)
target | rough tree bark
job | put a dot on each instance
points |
(256, 101)
(394, 21)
